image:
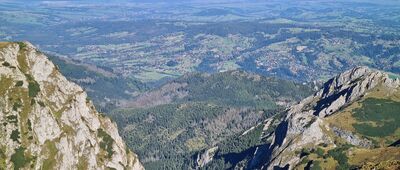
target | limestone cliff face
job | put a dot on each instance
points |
(304, 123)
(48, 122)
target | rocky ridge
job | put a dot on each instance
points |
(303, 124)
(48, 122)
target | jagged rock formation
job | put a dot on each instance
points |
(305, 126)
(48, 122)
(350, 123)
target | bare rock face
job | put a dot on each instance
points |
(302, 125)
(47, 122)
(351, 138)
(205, 157)
(346, 88)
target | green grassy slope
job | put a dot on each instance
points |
(375, 117)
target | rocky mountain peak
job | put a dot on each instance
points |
(303, 125)
(48, 122)
(347, 87)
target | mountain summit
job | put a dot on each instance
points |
(48, 122)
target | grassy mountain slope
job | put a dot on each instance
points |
(373, 118)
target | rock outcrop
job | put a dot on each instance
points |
(205, 157)
(303, 124)
(351, 138)
(48, 122)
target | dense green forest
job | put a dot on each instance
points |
(214, 108)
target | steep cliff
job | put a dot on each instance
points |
(48, 122)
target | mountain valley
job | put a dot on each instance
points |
(232, 119)
(166, 126)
